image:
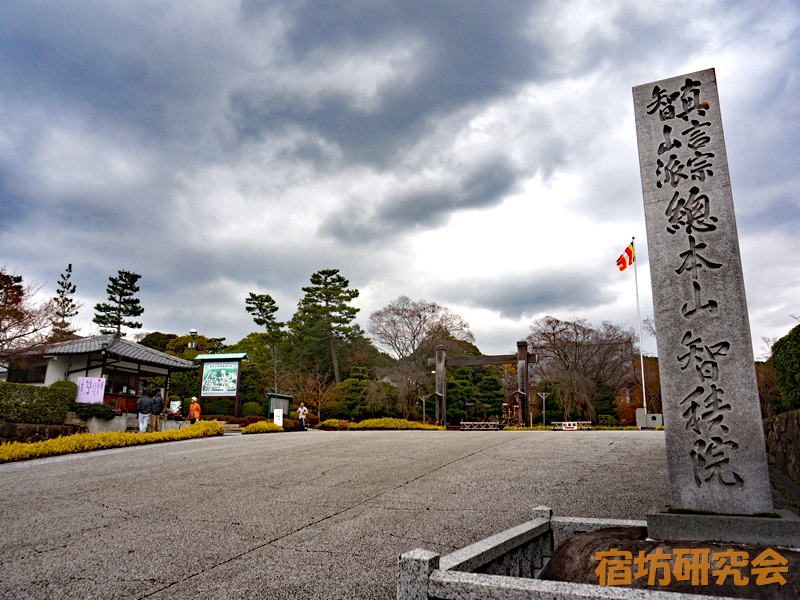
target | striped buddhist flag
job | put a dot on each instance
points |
(625, 259)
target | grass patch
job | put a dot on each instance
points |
(86, 442)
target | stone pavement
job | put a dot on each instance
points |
(298, 515)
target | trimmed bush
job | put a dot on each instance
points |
(331, 424)
(221, 406)
(290, 424)
(252, 409)
(389, 423)
(262, 427)
(66, 385)
(23, 403)
(85, 410)
(608, 421)
(185, 404)
(85, 442)
(250, 420)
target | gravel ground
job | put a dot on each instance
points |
(298, 515)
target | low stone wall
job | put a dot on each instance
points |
(783, 443)
(506, 566)
(166, 424)
(98, 425)
(30, 432)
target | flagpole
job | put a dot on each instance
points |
(639, 319)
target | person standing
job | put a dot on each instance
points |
(143, 407)
(156, 409)
(301, 414)
(194, 411)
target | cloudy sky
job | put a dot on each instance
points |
(481, 155)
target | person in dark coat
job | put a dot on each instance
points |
(143, 407)
(156, 409)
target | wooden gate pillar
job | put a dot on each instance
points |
(441, 385)
(522, 381)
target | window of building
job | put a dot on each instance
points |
(27, 375)
(119, 382)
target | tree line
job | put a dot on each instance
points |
(322, 357)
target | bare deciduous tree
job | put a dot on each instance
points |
(24, 321)
(577, 357)
(411, 380)
(403, 326)
(312, 387)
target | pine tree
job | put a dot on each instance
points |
(66, 308)
(263, 309)
(325, 310)
(122, 304)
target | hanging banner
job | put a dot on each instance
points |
(219, 379)
(91, 390)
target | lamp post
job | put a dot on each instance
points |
(193, 332)
(543, 396)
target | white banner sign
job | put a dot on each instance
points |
(278, 417)
(91, 390)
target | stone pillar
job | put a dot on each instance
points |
(441, 385)
(413, 571)
(715, 442)
(522, 382)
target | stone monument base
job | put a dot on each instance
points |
(783, 531)
(597, 559)
(712, 571)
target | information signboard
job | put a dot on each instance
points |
(91, 390)
(219, 379)
(278, 418)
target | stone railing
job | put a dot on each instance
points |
(505, 566)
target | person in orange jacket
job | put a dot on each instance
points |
(194, 411)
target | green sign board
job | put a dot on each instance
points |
(219, 379)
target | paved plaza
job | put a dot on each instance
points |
(298, 515)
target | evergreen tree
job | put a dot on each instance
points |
(157, 340)
(324, 311)
(263, 309)
(66, 308)
(122, 304)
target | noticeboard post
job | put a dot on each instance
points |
(91, 390)
(220, 377)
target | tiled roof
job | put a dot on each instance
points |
(122, 348)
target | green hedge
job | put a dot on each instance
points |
(23, 403)
(786, 360)
(85, 410)
(66, 385)
(251, 409)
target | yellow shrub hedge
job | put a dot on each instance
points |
(85, 442)
(262, 427)
(387, 423)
